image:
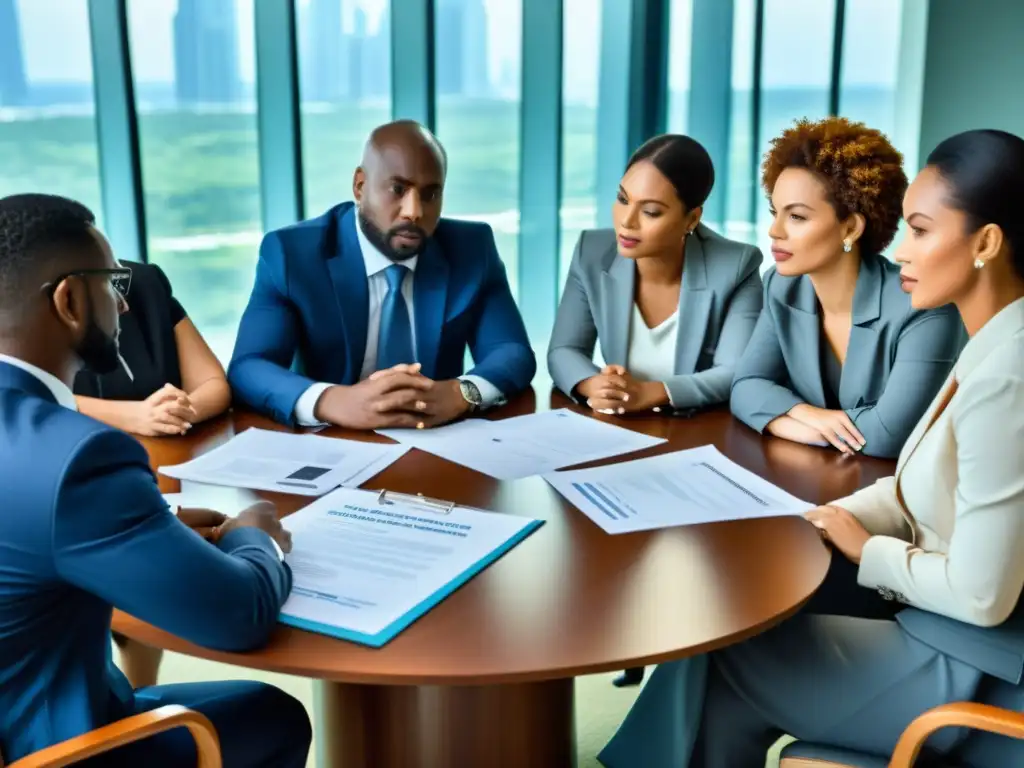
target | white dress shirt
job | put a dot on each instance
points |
(66, 399)
(376, 262)
(651, 355)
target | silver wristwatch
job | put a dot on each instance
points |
(471, 394)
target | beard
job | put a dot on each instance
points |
(381, 240)
(98, 350)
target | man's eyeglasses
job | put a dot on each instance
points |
(120, 278)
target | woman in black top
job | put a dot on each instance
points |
(177, 382)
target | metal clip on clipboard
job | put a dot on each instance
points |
(440, 506)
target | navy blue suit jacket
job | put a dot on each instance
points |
(307, 315)
(84, 529)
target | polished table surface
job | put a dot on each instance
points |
(570, 599)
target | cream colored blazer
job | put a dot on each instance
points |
(957, 546)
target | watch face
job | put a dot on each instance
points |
(471, 392)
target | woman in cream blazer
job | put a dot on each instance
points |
(944, 536)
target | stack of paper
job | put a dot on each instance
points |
(525, 445)
(699, 485)
(365, 567)
(307, 465)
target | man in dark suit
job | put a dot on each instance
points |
(361, 317)
(85, 529)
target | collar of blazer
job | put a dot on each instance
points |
(694, 308)
(25, 377)
(695, 272)
(867, 295)
(1006, 323)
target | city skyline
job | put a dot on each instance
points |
(48, 25)
(340, 54)
(206, 52)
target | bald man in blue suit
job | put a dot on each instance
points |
(85, 529)
(362, 317)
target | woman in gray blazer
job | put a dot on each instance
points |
(672, 303)
(943, 536)
(839, 356)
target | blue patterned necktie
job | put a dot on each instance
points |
(394, 346)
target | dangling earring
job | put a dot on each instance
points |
(978, 263)
(847, 245)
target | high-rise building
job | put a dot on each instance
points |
(461, 57)
(355, 62)
(476, 80)
(13, 84)
(377, 60)
(325, 58)
(206, 52)
(448, 47)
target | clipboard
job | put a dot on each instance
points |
(506, 537)
(439, 506)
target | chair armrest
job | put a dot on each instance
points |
(134, 728)
(982, 717)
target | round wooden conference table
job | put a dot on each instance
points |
(486, 677)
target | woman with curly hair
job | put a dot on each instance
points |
(838, 355)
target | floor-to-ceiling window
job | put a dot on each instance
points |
(345, 90)
(478, 68)
(193, 63)
(870, 64)
(193, 67)
(47, 120)
(740, 192)
(680, 27)
(581, 66)
(869, 71)
(796, 75)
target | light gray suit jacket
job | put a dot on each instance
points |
(896, 360)
(719, 302)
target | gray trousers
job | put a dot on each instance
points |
(846, 682)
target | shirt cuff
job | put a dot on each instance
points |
(668, 394)
(880, 559)
(280, 554)
(489, 393)
(305, 407)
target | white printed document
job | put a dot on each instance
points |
(229, 501)
(366, 566)
(307, 465)
(525, 445)
(699, 485)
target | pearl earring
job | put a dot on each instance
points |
(847, 245)
(978, 263)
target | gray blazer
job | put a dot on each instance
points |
(719, 303)
(896, 360)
